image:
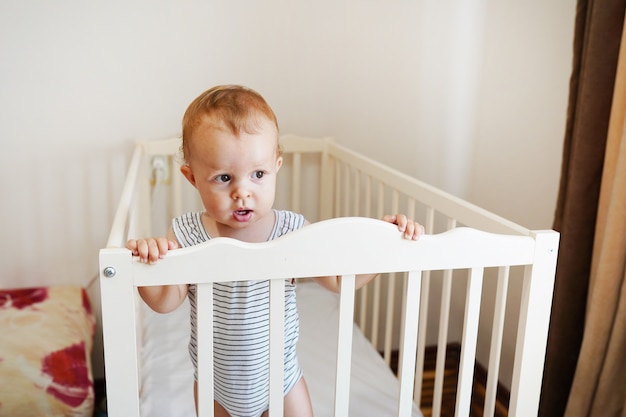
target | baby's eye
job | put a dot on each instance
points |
(259, 174)
(222, 178)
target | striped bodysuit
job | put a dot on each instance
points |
(241, 327)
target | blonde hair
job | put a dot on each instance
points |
(235, 106)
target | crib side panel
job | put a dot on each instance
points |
(324, 180)
(300, 183)
(350, 166)
(366, 245)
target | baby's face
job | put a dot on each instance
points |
(235, 174)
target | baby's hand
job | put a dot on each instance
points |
(412, 229)
(151, 249)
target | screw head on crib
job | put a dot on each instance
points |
(109, 272)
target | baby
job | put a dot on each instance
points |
(232, 156)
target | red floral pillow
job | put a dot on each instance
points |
(46, 336)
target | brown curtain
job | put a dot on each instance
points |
(599, 387)
(597, 38)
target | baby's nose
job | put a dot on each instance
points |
(240, 193)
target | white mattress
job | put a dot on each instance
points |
(167, 373)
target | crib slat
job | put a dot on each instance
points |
(338, 190)
(277, 340)
(346, 191)
(177, 191)
(357, 194)
(380, 200)
(444, 319)
(296, 182)
(429, 222)
(366, 209)
(421, 340)
(326, 183)
(442, 341)
(344, 346)
(204, 318)
(363, 310)
(496, 340)
(142, 203)
(391, 284)
(375, 313)
(409, 343)
(468, 342)
(377, 283)
(368, 196)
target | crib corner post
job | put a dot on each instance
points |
(117, 293)
(532, 333)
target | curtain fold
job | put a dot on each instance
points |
(597, 37)
(599, 386)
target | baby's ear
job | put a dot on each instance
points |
(188, 173)
(279, 163)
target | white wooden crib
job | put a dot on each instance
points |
(430, 292)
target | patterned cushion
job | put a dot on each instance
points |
(46, 336)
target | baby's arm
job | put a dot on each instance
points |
(163, 298)
(412, 230)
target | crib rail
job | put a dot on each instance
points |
(348, 185)
(364, 255)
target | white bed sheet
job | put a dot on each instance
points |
(167, 373)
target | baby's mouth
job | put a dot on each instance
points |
(242, 215)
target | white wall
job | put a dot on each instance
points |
(470, 96)
(521, 109)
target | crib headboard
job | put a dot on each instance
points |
(463, 241)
